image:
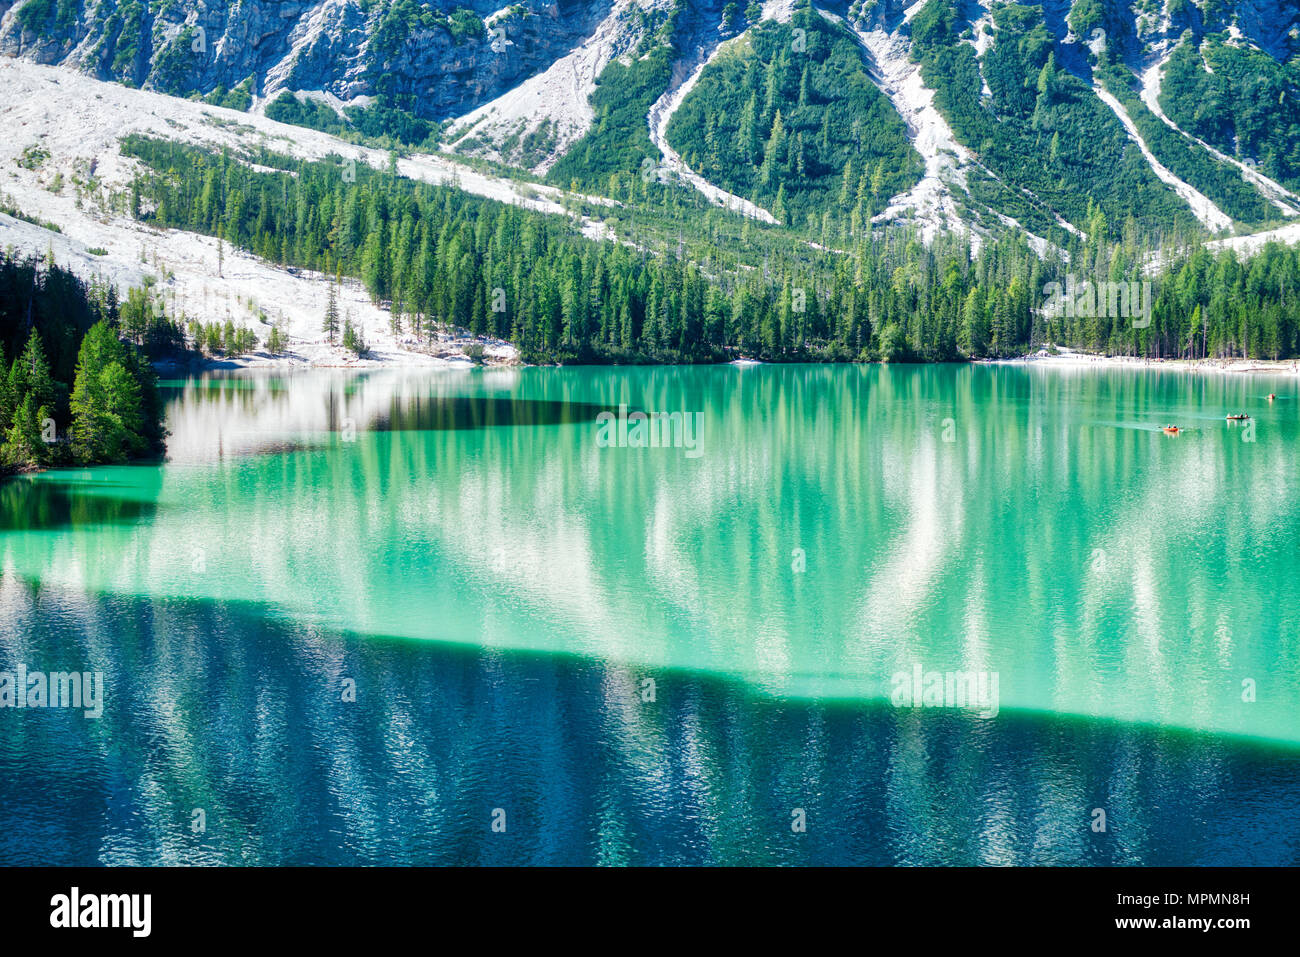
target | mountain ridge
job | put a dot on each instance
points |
(519, 85)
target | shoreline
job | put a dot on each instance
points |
(495, 354)
(1066, 359)
(505, 356)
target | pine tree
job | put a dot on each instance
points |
(778, 206)
(121, 397)
(974, 331)
(30, 375)
(774, 150)
(747, 135)
(7, 402)
(331, 324)
(108, 407)
(352, 339)
(1002, 340)
(23, 443)
(275, 341)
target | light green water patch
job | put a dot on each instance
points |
(833, 528)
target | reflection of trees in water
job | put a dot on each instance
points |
(449, 413)
(376, 401)
(212, 706)
(1028, 545)
(977, 554)
(47, 504)
(520, 535)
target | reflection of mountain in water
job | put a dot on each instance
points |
(229, 414)
(210, 705)
(987, 519)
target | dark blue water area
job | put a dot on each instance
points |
(226, 709)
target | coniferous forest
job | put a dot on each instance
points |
(793, 122)
(72, 391)
(446, 259)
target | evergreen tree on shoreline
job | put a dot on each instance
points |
(58, 326)
(24, 443)
(108, 401)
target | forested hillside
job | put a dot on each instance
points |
(1221, 182)
(796, 108)
(1041, 130)
(1242, 101)
(789, 118)
(565, 89)
(612, 157)
(447, 259)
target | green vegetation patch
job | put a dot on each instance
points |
(611, 156)
(1246, 104)
(790, 119)
(73, 393)
(1042, 129)
(1221, 182)
(49, 17)
(384, 123)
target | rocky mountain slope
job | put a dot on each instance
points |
(1160, 117)
(439, 59)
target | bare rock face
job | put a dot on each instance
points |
(444, 56)
(1137, 31)
(1273, 25)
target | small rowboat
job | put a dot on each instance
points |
(1272, 396)
(1171, 430)
(1238, 417)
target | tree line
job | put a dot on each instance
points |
(442, 258)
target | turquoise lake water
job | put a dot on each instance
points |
(667, 655)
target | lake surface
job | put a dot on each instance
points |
(687, 654)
